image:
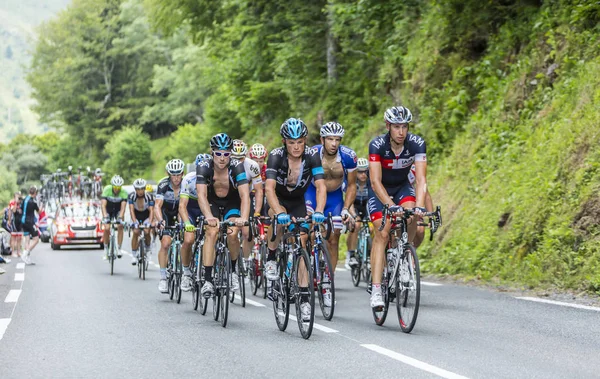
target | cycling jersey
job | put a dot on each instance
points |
(230, 204)
(396, 168)
(188, 190)
(360, 202)
(28, 218)
(278, 167)
(148, 201)
(345, 155)
(252, 173)
(170, 205)
(113, 201)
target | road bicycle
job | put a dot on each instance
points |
(362, 254)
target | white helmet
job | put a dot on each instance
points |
(239, 149)
(116, 181)
(98, 171)
(258, 151)
(362, 164)
(175, 167)
(332, 129)
(139, 184)
(398, 115)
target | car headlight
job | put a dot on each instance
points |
(62, 228)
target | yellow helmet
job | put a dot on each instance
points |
(149, 188)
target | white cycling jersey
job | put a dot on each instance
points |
(252, 172)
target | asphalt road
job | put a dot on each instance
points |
(67, 317)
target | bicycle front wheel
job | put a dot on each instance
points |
(112, 253)
(408, 282)
(242, 280)
(325, 283)
(380, 313)
(179, 272)
(261, 269)
(304, 294)
(224, 280)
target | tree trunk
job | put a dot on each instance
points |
(331, 48)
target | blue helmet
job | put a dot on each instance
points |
(293, 128)
(221, 141)
(202, 158)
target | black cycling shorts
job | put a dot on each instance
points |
(142, 216)
(295, 207)
(30, 229)
(224, 208)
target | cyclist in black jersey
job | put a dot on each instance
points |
(390, 158)
(141, 209)
(290, 169)
(223, 193)
(166, 209)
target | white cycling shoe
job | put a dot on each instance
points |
(377, 299)
(271, 270)
(162, 286)
(235, 283)
(207, 290)
(305, 312)
(186, 283)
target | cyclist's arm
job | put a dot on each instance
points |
(350, 191)
(158, 210)
(123, 207)
(183, 202)
(272, 196)
(151, 209)
(132, 213)
(244, 191)
(321, 195)
(421, 182)
(258, 197)
(104, 202)
(319, 179)
(378, 188)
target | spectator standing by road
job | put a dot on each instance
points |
(30, 231)
(14, 222)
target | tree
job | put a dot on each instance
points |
(129, 153)
(26, 161)
(8, 185)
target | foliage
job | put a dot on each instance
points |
(129, 153)
(26, 161)
(8, 185)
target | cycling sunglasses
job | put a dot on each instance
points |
(117, 188)
(222, 154)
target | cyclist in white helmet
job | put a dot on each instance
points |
(166, 209)
(239, 151)
(114, 201)
(141, 209)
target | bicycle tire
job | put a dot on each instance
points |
(263, 261)
(179, 272)
(224, 290)
(281, 298)
(304, 327)
(253, 276)
(242, 280)
(367, 260)
(325, 267)
(171, 274)
(380, 315)
(112, 253)
(141, 263)
(407, 301)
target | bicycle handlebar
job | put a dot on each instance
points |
(304, 220)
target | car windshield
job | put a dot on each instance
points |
(80, 210)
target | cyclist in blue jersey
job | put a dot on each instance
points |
(339, 167)
(390, 158)
(189, 212)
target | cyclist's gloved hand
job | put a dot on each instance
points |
(318, 217)
(161, 224)
(396, 209)
(420, 210)
(189, 227)
(120, 220)
(147, 222)
(346, 214)
(105, 220)
(135, 224)
(283, 218)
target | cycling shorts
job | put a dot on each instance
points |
(229, 208)
(30, 229)
(334, 204)
(401, 194)
(193, 214)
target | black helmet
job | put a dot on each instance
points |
(221, 141)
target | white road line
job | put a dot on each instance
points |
(19, 276)
(317, 326)
(431, 284)
(3, 325)
(572, 305)
(13, 296)
(340, 269)
(255, 303)
(413, 362)
(21, 266)
(157, 266)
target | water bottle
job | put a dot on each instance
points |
(289, 263)
(197, 257)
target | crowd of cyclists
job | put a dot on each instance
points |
(320, 187)
(60, 185)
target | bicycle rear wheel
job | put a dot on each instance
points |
(224, 292)
(325, 283)
(408, 280)
(303, 296)
(112, 253)
(142, 262)
(241, 271)
(253, 275)
(281, 298)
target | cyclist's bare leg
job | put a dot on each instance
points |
(246, 245)
(352, 239)
(135, 239)
(333, 245)
(106, 237)
(234, 244)
(208, 250)
(120, 235)
(165, 242)
(380, 241)
(411, 222)
(186, 248)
